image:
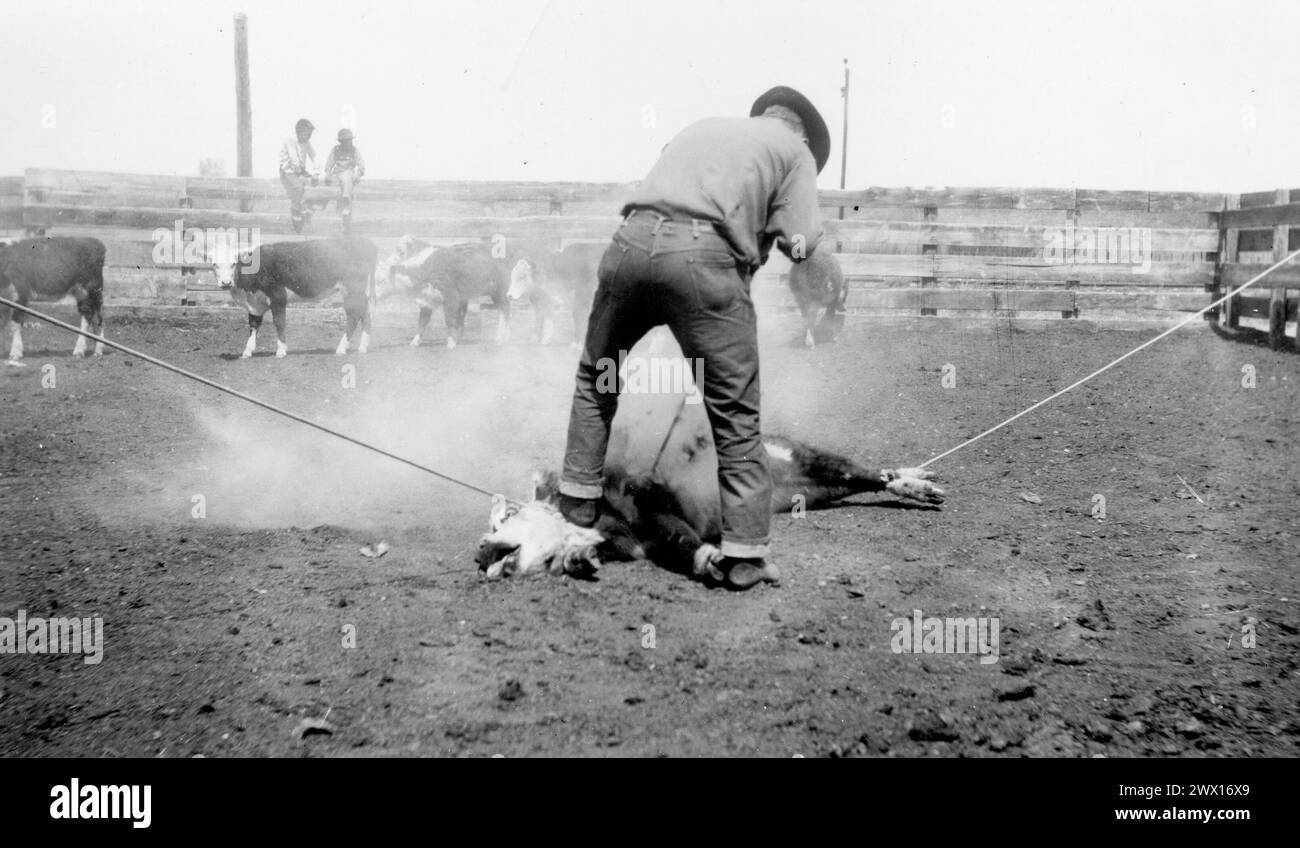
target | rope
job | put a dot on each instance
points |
(1110, 365)
(249, 398)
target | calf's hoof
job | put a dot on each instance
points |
(78, 354)
(16, 363)
(451, 344)
(415, 342)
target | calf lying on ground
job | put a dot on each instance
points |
(264, 275)
(643, 516)
(818, 287)
(50, 269)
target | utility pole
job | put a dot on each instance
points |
(844, 145)
(243, 106)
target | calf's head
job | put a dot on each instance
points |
(534, 538)
(406, 248)
(521, 280)
(228, 260)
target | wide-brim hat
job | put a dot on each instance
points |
(304, 124)
(819, 138)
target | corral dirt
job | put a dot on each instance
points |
(220, 544)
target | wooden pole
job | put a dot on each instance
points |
(243, 107)
(844, 144)
(1277, 302)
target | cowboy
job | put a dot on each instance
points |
(702, 222)
(297, 168)
(345, 163)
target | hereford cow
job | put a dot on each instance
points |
(674, 519)
(455, 275)
(817, 284)
(265, 275)
(548, 279)
(50, 269)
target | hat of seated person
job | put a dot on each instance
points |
(819, 138)
(345, 135)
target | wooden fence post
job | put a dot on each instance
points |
(930, 248)
(1072, 282)
(1228, 240)
(1277, 302)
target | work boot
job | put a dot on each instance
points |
(742, 574)
(580, 511)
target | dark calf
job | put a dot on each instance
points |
(817, 284)
(456, 275)
(49, 269)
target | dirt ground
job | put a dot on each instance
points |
(220, 545)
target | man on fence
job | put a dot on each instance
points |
(297, 169)
(699, 226)
(345, 164)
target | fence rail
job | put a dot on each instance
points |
(1047, 251)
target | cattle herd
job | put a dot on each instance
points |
(262, 277)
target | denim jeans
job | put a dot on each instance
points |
(680, 274)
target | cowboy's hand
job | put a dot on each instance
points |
(914, 484)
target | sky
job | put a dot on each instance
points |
(1189, 95)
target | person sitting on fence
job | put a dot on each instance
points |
(297, 168)
(345, 164)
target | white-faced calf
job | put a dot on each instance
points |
(264, 275)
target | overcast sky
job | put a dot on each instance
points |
(1192, 94)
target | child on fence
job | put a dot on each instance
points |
(345, 164)
(297, 168)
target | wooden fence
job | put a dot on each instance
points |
(1257, 230)
(976, 251)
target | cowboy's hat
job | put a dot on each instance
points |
(819, 138)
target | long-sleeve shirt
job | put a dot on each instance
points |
(297, 158)
(342, 159)
(752, 177)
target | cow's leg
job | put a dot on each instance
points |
(354, 308)
(453, 313)
(16, 343)
(90, 305)
(546, 321)
(15, 319)
(503, 321)
(95, 298)
(279, 316)
(256, 303)
(366, 302)
(426, 313)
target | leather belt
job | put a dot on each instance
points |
(660, 220)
